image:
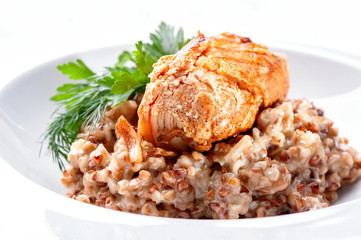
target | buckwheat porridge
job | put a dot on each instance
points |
(291, 161)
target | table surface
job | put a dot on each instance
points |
(34, 32)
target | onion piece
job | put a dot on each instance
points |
(130, 136)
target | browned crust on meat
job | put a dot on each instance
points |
(210, 90)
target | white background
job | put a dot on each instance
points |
(33, 32)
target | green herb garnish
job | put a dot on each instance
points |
(83, 103)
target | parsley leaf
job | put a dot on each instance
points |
(165, 41)
(76, 71)
(123, 82)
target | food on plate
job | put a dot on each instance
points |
(209, 91)
(208, 135)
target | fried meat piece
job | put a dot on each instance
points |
(210, 90)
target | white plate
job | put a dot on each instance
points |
(331, 80)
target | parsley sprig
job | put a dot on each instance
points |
(82, 104)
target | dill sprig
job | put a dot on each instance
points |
(83, 104)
